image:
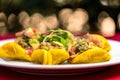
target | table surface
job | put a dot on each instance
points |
(111, 73)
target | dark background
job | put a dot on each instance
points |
(47, 7)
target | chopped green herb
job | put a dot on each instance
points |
(41, 37)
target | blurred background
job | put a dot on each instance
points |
(77, 16)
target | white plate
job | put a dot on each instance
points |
(63, 69)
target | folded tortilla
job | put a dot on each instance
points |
(93, 55)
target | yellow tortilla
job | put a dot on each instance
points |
(58, 55)
(105, 44)
(53, 56)
(92, 56)
(40, 56)
(3, 53)
(15, 51)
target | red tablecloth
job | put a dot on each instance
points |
(111, 73)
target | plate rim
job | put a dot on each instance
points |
(63, 66)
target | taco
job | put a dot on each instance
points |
(15, 51)
(93, 55)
